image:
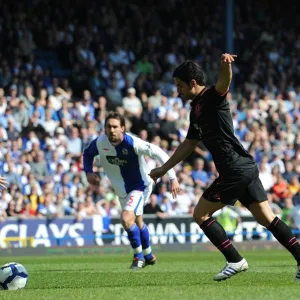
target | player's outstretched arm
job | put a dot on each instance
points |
(183, 150)
(225, 74)
(144, 148)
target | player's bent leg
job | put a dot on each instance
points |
(127, 219)
(133, 231)
(262, 212)
(264, 215)
(150, 259)
(204, 210)
(217, 235)
(139, 221)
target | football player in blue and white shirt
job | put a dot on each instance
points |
(122, 157)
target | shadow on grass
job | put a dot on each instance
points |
(122, 286)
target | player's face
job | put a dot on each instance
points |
(185, 91)
(114, 131)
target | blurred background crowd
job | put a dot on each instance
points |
(64, 66)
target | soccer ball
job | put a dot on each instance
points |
(13, 276)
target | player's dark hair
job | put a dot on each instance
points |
(117, 116)
(188, 71)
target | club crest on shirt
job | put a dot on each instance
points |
(197, 110)
(124, 151)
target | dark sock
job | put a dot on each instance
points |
(217, 235)
(284, 236)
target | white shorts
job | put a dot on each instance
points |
(136, 200)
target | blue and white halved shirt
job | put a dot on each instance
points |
(124, 164)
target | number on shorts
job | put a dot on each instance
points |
(130, 200)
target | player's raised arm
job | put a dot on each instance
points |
(88, 158)
(225, 74)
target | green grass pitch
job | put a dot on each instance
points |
(185, 275)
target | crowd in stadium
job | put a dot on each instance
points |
(62, 71)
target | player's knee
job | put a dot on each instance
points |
(200, 217)
(127, 223)
(139, 222)
(127, 219)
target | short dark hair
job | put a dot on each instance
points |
(115, 115)
(188, 71)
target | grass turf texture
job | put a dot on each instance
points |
(175, 276)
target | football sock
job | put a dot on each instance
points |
(284, 236)
(135, 240)
(145, 239)
(217, 235)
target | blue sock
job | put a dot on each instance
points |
(135, 241)
(145, 238)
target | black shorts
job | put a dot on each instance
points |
(239, 184)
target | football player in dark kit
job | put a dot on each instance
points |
(211, 122)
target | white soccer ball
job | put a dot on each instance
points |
(13, 276)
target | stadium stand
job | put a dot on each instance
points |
(63, 67)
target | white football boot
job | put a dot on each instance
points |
(137, 264)
(231, 269)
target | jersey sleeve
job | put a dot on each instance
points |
(144, 148)
(88, 156)
(218, 99)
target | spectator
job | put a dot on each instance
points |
(49, 124)
(289, 171)
(229, 219)
(154, 208)
(21, 116)
(265, 176)
(57, 84)
(294, 186)
(156, 99)
(12, 176)
(48, 208)
(280, 188)
(39, 166)
(74, 143)
(200, 176)
(132, 104)
(11, 209)
(144, 65)
(114, 95)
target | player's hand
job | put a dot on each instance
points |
(228, 58)
(3, 182)
(157, 173)
(175, 188)
(93, 178)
